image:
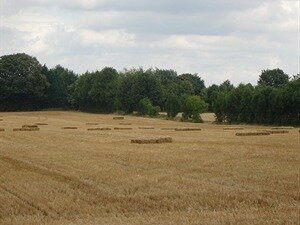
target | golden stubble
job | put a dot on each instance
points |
(92, 175)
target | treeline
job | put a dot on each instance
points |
(27, 85)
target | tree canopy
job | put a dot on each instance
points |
(27, 85)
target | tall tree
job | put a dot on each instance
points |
(274, 78)
(22, 83)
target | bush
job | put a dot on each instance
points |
(146, 108)
(191, 107)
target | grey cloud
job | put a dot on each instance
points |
(218, 39)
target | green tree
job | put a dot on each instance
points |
(172, 105)
(192, 106)
(22, 83)
(103, 90)
(146, 108)
(135, 85)
(196, 82)
(274, 78)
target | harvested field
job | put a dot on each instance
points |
(259, 133)
(188, 129)
(57, 176)
(152, 140)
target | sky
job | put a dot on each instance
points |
(216, 39)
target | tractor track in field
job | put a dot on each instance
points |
(25, 199)
(94, 196)
(22, 165)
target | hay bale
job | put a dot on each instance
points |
(146, 128)
(118, 118)
(253, 133)
(187, 129)
(1, 119)
(167, 128)
(98, 128)
(29, 126)
(282, 128)
(122, 128)
(26, 129)
(277, 131)
(41, 124)
(69, 128)
(233, 128)
(152, 141)
(1, 129)
(92, 123)
(125, 124)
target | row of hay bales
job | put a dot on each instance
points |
(233, 128)
(27, 128)
(145, 128)
(152, 140)
(260, 133)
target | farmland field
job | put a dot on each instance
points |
(212, 176)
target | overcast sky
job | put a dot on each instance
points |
(217, 39)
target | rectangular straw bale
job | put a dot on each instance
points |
(29, 126)
(122, 128)
(1, 119)
(1, 129)
(187, 129)
(125, 124)
(152, 141)
(99, 128)
(282, 128)
(277, 131)
(118, 118)
(92, 123)
(253, 133)
(167, 128)
(26, 129)
(41, 124)
(146, 128)
(233, 128)
(69, 128)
